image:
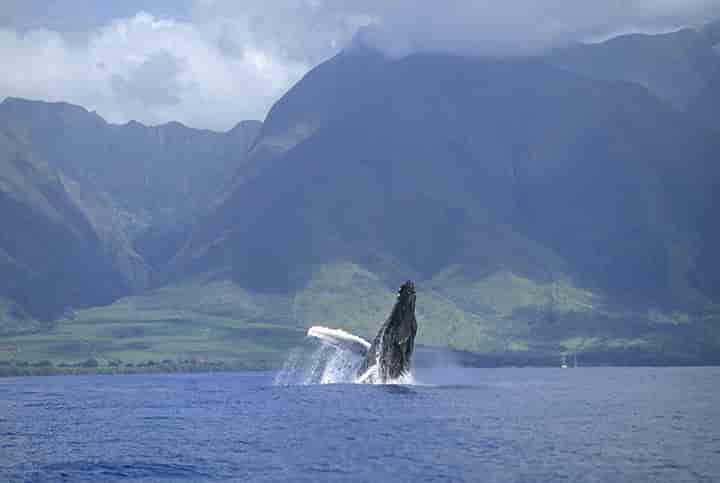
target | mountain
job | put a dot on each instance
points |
(92, 211)
(681, 67)
(159, 179)
(433, 152)
(59, 247)
(464, 173)
(542, 208)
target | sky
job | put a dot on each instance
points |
(213, 63)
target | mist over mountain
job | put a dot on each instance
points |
(681, 67)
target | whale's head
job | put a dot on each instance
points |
(402, 321)
(390, 354)
(406, 298)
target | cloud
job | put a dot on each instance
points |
(211, 63)
(154, 82)
(149, 69)
(82, 16)
(311, 29)
(299, 30)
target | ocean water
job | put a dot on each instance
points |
(479, 425)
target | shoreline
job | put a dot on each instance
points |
(147, 368)
(219, 366)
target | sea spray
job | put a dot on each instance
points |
(330, 356)
(318, 362)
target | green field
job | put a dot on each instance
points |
(195, 321)
(502, 315)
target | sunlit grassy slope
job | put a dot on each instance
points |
(214, 321)
(503, 315)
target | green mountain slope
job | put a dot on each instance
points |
(158, 179)
(503, 318)
(501, 173)
(56, 251)
(93, 211)
(486, 164)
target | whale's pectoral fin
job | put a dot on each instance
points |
(340, 339)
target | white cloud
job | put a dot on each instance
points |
(149, 69)
(226, 60)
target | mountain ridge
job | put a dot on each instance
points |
(40, 205)
(630, 89)
(58, 166)
(158, 179)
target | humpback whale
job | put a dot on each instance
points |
(390, 354)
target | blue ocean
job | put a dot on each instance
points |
(451, 424)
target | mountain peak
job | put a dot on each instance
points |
(21, 101)
(173, 125)
(18, 106)
(245, 125)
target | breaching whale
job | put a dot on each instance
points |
(390, 355)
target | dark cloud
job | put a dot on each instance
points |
(313, 29)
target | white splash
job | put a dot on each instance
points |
(325, 363)
(335, 360)
(369, 375)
